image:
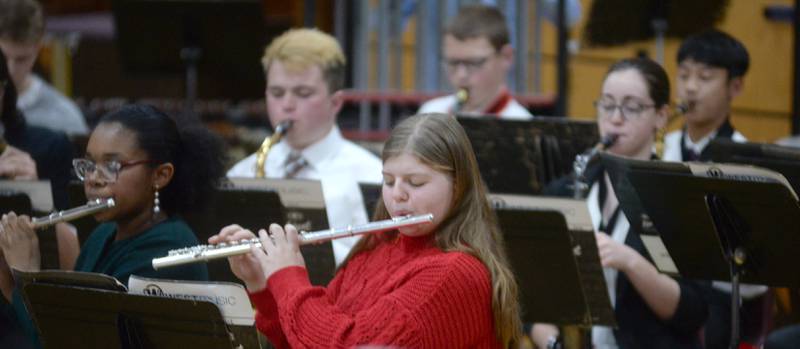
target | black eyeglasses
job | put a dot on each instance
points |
(107, 171)
(471, 65)
(629, 109)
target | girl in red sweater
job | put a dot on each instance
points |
(441, 285)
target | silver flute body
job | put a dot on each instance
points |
(91, 207)
(203, 253)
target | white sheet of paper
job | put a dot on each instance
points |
(576, 212)
(231, 298)
(39, 192)
(658, 251)
(299, 193)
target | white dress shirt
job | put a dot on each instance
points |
(603, 336)
(445, 104)
(339, 165)
(672, 144)
(43, 106)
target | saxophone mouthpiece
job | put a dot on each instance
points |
(607, 141)
(462, 95)
(284, 126)
(683, 107)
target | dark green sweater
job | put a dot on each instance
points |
(132, 256)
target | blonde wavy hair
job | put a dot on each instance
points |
(300, 49)
(438, 141)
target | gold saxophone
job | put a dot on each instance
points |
(261, 154)
(462, 95)
(681, 107)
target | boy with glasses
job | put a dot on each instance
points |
(477, 57)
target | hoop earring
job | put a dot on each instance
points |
(156, 204)
(659, 143)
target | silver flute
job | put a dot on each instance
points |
(91, 207)
(202, 253)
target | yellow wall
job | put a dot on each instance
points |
(762, 112)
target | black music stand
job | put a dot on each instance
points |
(15, 201)
(558, 271)
(305, 209)
(785, 160)
(521, 157)
(87, 317)
(371, 194)
(222, 38)
(252, 209)
(729, 227)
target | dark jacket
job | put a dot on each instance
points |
(639, 327)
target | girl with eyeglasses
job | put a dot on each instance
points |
(155, 171)
(652, 310)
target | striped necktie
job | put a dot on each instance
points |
(294, 164)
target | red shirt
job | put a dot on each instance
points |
(406, 293)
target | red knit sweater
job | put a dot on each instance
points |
(407, 294)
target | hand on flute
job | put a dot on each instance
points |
(282, 249)
(19, 242)
(278, 250)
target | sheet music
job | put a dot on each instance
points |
(302, 198)
(299, 193)
(39, 192)
(575, 211)
(658, 252)
(231, 298)
(739, 172)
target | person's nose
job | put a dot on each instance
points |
(399, 194)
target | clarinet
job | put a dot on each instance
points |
(582, 161)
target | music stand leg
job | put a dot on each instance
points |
(191, 57)
(734, 306)
(737, 260)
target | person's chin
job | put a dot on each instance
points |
(411, 231)
(103, 217)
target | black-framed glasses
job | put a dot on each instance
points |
(471, 65)
(629, 109)
(107, 171)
